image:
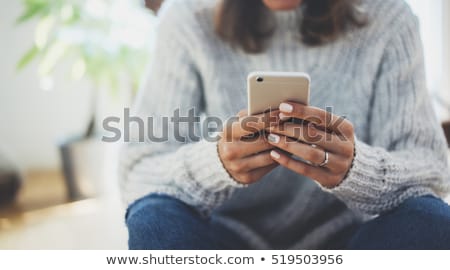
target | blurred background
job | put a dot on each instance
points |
(65, 66)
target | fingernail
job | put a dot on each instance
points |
(274, 138)
(275, 155)
(285, 107)
(283, 117)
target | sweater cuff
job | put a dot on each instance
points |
(366, 179)
(207, 178)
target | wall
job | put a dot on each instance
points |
(434, 22)
(32, 120)
(446, 68)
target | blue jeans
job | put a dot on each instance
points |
(159, 222)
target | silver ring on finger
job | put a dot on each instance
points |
(325, 161)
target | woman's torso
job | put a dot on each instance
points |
(288, 210)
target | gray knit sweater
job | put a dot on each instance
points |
(374, 76)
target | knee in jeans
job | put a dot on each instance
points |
(426, 206)
(158, 222)
(154, 209)
(418, 223)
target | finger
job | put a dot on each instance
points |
(256, 175)
(324, 177)
(248, 125)
(251, 163)
(241, 149)
(311, 135)
(314, 155)
(242, 113)
(256, 146)
(317, 116)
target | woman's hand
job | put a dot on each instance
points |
(326, 143)
(247, 158)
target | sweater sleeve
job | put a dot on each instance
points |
(188, 169)
(406, 154)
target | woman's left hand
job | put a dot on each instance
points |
(327, 143)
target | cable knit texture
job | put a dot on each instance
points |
(374, 76)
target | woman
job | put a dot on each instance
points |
(375, 176)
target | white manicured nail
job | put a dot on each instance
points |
(275, 155)
(285, 107)
(274, 138)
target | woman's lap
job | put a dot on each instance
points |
(161, 222)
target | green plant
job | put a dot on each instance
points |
(105, 40)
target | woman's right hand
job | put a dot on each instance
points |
(246, 159)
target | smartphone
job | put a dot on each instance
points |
(267, 90)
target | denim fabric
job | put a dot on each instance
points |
(418, 223)
(159, 222)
